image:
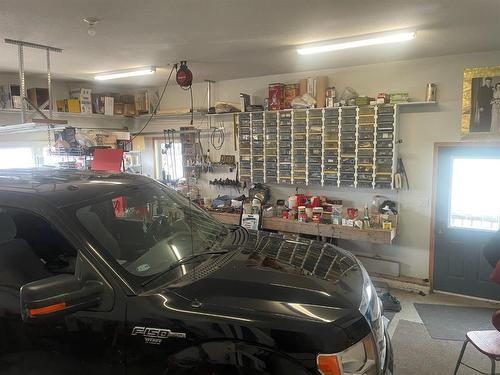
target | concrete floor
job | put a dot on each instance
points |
(408, 311)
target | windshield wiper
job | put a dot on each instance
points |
(181, 262)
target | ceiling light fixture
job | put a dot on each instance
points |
(360, 41)
(126, 73)
(91, 22)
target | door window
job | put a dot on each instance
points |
(169, 164)
(475, 194)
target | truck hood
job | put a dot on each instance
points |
(298, 296)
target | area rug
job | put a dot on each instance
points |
(453, 322)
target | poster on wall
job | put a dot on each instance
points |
(481, 102)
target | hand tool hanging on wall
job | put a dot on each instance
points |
(400, 174)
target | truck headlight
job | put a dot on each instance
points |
(358, 359)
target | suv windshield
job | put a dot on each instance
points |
(149, 229)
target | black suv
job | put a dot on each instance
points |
(119, 274)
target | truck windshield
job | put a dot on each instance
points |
(148, 229)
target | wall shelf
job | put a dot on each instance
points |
(373, 235)
(415, 104)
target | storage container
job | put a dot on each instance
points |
(364, 111)
(315, 112)
(299, 114)
(299, 137)
(285, 151)
(330, 168)
(385, 109)
(348, 112)
(384, 135)
(299, 129)
(330, 112)
(383, 178)
(366, 120)
(315, 145)
(348, 121)
(332, 121)
(314, 152)
(384, 144)
(364, 168)
(365, 152)
(299, 151)
(384, 152)
(365, 160)
(315, 129)
(285, 136)
(365, 176)
(346, 128)
(365, 136)
(365, 144)
(347, 136)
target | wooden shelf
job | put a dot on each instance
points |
(68, 115)
(411, 104)
(380, 236)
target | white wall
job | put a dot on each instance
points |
(419, 129)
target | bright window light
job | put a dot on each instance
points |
(20, 157)
(126, 73)
(362, 41)
(475, 198)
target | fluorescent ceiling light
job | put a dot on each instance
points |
(126, 73)
(361, 41)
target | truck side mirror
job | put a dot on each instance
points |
(58, 296)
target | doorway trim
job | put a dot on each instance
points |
(438, 146)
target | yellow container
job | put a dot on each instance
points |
(73, 105)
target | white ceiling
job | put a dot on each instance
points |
(225, 39)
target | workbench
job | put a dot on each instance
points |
(374, 235)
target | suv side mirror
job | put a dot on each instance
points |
(58, 296)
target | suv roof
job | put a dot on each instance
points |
(63, 187)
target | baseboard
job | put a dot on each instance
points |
(409, 284)
(495, 302)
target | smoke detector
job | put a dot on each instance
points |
(91, 22)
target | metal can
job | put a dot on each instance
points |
(431, 92)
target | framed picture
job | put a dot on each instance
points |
(481, 101)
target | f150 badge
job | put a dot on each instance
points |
(155, 336)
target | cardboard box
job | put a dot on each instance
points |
(97, 103)
(276, 96)
(141, 102)
(129, 109)
(119, 107)
(109, 106)
(39, 96)
(85, 97)
(68, 105)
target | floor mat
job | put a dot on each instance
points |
(416, 353)
(453, 322)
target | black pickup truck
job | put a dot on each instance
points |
(118, 274)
